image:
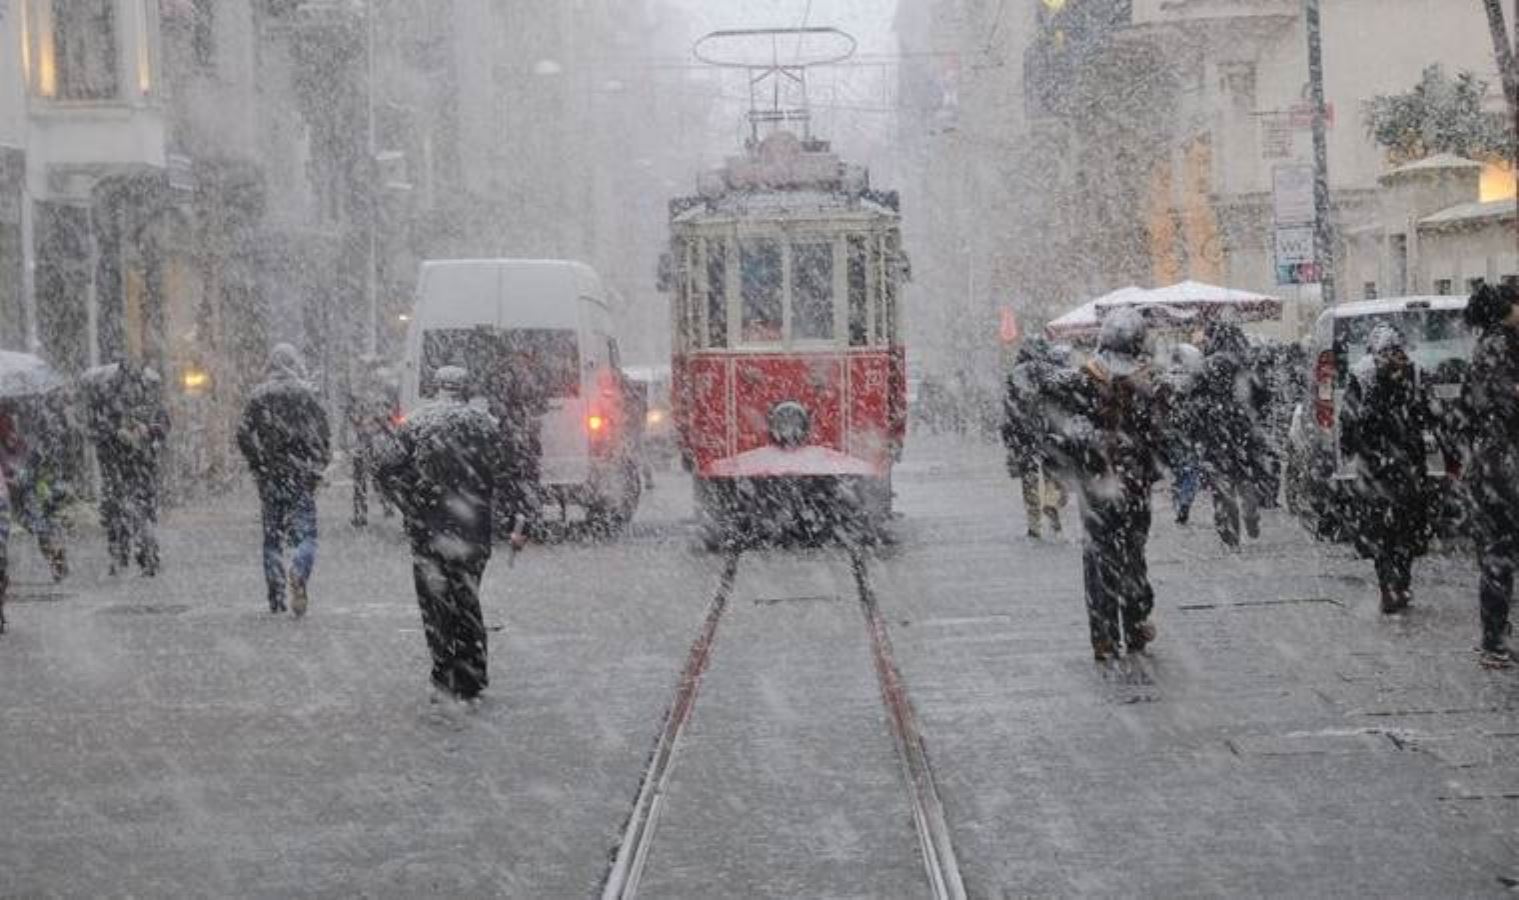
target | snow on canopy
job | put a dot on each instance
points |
(1080, 324)
(25, 375)
(1178, 304)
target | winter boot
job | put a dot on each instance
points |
(1140, 636)
(1394, 601)
(1104, 650)
(58, 561)
(298, 598)
(1494, 655)
(1054, 516)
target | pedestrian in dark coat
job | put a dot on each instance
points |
(518, 399)
(1233, 451)
(284, 436)
(129, 425)
(1491, 409)
(1184, 428)
(442, 467)
(372, 404)
(1112, 440)
(1025, 435)
(1382, 428)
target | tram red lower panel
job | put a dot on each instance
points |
(723, 401)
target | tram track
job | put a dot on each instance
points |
(940, 864)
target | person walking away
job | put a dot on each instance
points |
(1111, 440)
(1233, 451)
(285, 439)
(1382, 427)
(1490, 406)
(372, 406)
(129, 425)
(1183, 427)
(1025, 434)
(441, 467)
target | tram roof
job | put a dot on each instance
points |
(784, 205)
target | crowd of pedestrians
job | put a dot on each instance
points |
(1213, 415)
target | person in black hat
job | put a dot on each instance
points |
(1490, 407)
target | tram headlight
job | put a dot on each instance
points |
(789, 424)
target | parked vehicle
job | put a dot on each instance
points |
(536, 337)
(653, 384)
(1438, 342)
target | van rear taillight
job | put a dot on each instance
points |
(595, 424)
(1323, 390)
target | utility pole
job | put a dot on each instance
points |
(371, 264)
(1323, 228)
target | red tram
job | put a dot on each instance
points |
(788, 367)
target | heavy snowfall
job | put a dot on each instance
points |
(780, 448)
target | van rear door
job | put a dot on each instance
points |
(1439, 344)
(548, 361)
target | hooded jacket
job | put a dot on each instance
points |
(284, 433)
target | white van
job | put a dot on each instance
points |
(544, 323)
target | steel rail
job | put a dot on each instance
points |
(632, 854)
(939, 860)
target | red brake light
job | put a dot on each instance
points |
(1323, 389)
(595, 424)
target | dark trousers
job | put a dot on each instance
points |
(1394, 563)
(363, 474)
(448, 591)
(1497, 554)
(1113, 564)
(129, 510)
(1231, 498)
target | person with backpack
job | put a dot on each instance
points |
(1110, 439)
(1025, 436)
(285, 439)
(1490, 407)
(442, 468)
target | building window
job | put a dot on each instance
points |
(1472, 284)
(75, 49)
(1511, 281)
(1443, 286)
(1369, 290)
(203, 33)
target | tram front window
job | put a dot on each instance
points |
(761, 290)
(859, 296)
(812, 291)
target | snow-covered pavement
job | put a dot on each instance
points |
(171, 737)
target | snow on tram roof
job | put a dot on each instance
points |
(785, 204)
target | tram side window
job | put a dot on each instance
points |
(717, 294)
(812, 291)
(859, 293)
(762, 290)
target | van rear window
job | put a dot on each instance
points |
(545, 361)
(1434, 337)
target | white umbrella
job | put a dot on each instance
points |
(24, 375)
(1190, 301)
(1082, 322)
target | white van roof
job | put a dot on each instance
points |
(1396, 304)
(533, 293)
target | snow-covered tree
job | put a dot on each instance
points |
(1442, 114)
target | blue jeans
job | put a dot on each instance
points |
(1188, 481)
(289, 518)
